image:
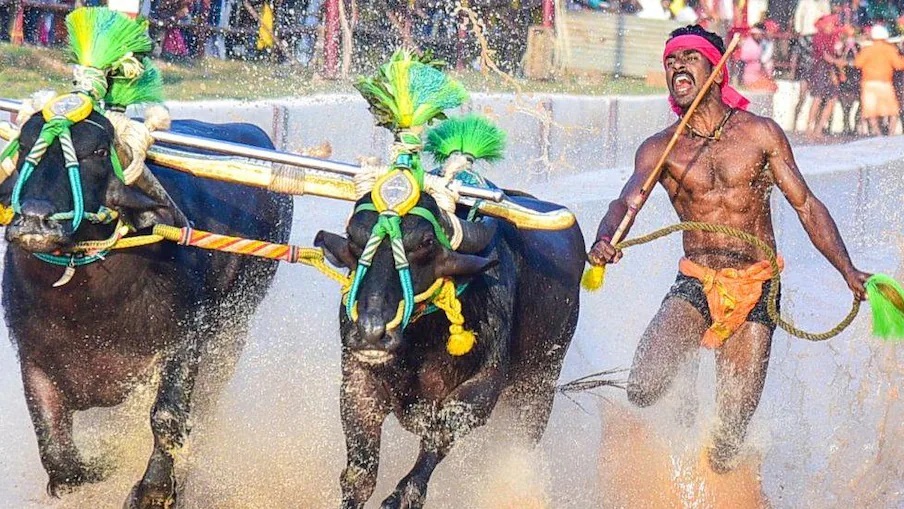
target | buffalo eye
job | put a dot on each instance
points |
(424, 250)
(101, 152)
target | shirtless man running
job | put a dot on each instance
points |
(722, 171)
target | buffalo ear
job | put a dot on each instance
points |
(336, 249)
(139, 209)
(451, 264)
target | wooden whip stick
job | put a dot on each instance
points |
(593, 278)
(647, 187)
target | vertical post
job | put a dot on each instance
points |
(619, 44)
(549, 9)
(331, 39)
(17, 28)
(460, 41)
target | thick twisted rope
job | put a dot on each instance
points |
(772, 298)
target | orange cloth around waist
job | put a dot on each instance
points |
(731, 294)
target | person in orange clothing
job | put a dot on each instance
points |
(878, 63)
(722, 170)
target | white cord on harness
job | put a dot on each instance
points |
(133, 138)
(371, 170)
(446, 195)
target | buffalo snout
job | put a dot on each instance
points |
(371, 342)
(33, 229)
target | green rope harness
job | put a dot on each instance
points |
(59, 128)
(389, 224)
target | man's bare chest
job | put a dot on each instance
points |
(707, 165)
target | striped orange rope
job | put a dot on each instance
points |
(282, 252)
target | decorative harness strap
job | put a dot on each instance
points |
(59, 115)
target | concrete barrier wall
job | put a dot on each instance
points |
(548, 134)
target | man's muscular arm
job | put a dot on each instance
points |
(645, 160)
(813, 214)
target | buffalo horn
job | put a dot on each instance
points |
(476, 235)
(149, 185)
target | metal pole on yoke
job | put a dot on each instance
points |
(657, 170)
(252, 174)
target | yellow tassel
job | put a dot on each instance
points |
(594, 277)
(6, 215)
(403, 97)
(460, 341)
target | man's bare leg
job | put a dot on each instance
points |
(670, 339)
(740, 375)
(825, 117)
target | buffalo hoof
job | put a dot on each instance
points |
(408, 496)
(65, 481)
(149, 498)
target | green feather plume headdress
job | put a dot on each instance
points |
(410, 91)
(146, 88)
(472, 135)
(102, 44)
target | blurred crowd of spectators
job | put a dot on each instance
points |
(843, 52)
(849, 54)
(187, 29)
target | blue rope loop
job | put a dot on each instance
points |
(71, 260)
(389, 224)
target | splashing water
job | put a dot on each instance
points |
(826, 433)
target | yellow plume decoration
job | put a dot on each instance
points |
(404, 101)
(594, 277)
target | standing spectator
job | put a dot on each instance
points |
(805, 16)
(877, 63)
(754, 76)
(823, 80)
(848, 79)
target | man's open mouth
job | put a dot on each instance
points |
(682, 82)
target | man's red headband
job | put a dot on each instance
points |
(730, 96)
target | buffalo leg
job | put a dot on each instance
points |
(53, 426)
(468, 407)
(363, 406)
(170, 426)
(534, 392)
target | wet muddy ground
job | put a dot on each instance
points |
(827, 432)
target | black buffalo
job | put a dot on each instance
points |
(522, 303)
(158, 310)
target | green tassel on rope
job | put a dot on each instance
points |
(470, 134)
(886, 299)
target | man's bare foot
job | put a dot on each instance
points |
(723, 456)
